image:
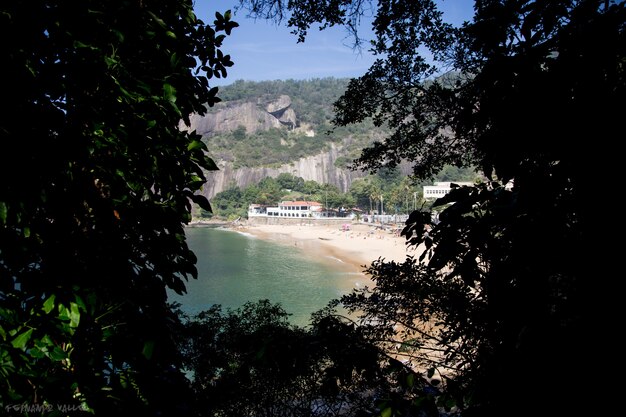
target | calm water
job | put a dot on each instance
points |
(234, 268)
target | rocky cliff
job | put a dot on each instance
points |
(252, 115)
(263, 115)
(230, 116)
(319, 168)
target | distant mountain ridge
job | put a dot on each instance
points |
(267, 128)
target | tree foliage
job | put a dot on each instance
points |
(96, 184)
(507, 289)
(251, 361)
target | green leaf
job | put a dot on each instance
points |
(74, 315)
(48, 305)
(148, 348)
(210, 165)
(58, 354)
(81, 303)
(37, 353)
(110, 62)
(79, 44)
(197, 180)
(158, 20)
(196, 144)
(170, 34)
(387, 412)
(20, 341)
(46, 340)
(169, 92)
(63, 312)
(202, 202)
(118, 34)
(174, 60)
(3, 212)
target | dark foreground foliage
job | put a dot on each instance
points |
(514, 276)
(252, 362)
(96, 183)
(498, 318)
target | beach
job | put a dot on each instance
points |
(355, 248)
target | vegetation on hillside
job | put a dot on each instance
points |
(312, 101)
(399, 194)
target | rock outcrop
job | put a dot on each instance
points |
(276, 107)
(320, 168)
(258, 116)
(228, 117)
(288, 118)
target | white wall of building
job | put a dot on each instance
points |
(441, 188)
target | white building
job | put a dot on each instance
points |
(441, 188)
(299, 209)
(295, 209)
(257, 210)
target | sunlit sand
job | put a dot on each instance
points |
(353, 250)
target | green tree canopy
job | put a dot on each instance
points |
(289, 182)
(96, 183)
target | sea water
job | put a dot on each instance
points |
(234, 268)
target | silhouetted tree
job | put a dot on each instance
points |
(508, 286)
(252, 362)
(96, 183)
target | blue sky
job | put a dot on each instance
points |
(262, 51)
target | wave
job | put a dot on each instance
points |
(336, 259)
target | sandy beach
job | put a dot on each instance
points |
(356, 248)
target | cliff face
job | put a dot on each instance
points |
(319, 168)
(256, 116)
(230, 116)
(252, 115)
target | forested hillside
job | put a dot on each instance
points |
(312, 102)
(263, 129)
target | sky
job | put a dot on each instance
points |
(263, 51)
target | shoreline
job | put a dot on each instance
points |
(354, 250)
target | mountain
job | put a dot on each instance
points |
(262, 129)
